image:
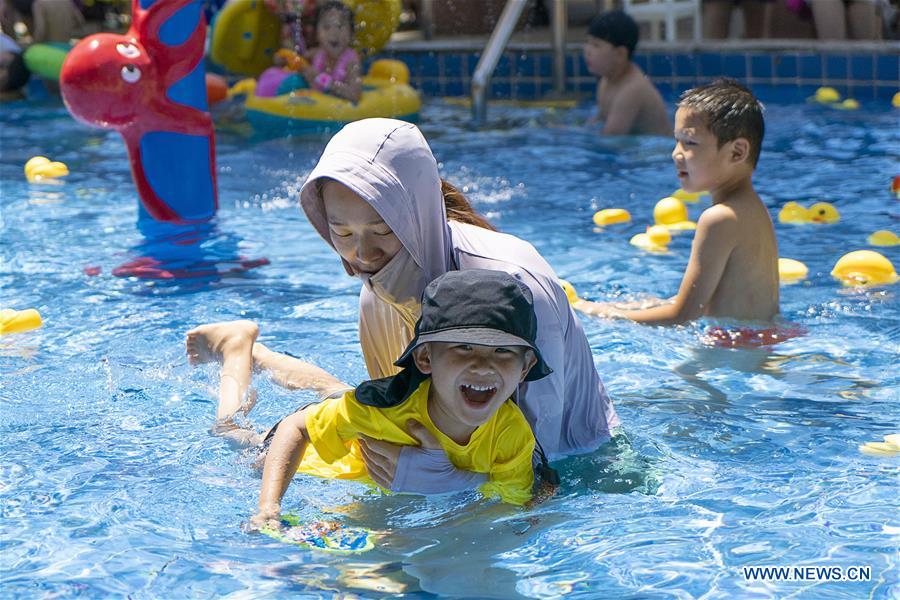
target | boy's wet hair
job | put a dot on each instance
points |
(617, 28)
(338, 6)
(730, 110)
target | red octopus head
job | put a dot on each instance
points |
(106, 79)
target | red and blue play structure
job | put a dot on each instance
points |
(149, 85)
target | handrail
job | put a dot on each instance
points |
(559, 21)
(512, 10)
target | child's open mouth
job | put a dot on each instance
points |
(477, 394)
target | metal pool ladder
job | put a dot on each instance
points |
(497, 43)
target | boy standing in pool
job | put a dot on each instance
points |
(474, 345)
(627, 102)
(733, 268)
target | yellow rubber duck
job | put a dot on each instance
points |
(889, 447)
(569, 289)
(17, 321)
(895, 101)
(883, 237)
(848, 104)
(611, 216)
(656, 239)
(791, 271)
(864, 268)
(825, 95)
(692, 197)
(820, 212)
(41, 168)
(671, 212)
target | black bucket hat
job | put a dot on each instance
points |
(480, 307)
(475, 306)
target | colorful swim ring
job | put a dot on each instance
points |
(246, 35)
(386, 93)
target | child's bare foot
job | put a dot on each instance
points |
(212, 342)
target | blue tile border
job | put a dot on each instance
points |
(527, 73)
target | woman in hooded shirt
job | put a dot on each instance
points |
(376, 197)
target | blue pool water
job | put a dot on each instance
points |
(111, 483)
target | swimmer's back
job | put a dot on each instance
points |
(748, 288)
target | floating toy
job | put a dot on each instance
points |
(883, 237)
(656, 239)
(671, 212)
(41, 168)
(216, 89)
(791, 271)
(864, 268)
(895, 185)
(820, 212)
(848, 104)
(386, 93)
(246, 35)
(46, 60)
(692, 197)
(569, 289)
(895, 101)
(825, 95)
(149, 85)
(325, 536)
(889, 447)
(17, 321)
(611, 216)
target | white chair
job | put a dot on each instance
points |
(664, 11)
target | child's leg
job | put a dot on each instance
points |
(232, 343)
(295, 374)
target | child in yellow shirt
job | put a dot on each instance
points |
(474, 345)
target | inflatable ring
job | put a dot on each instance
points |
(386, 93)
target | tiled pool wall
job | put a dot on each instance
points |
(525, 72)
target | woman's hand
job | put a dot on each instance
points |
(381, 457)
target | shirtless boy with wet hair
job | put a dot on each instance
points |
(627, 102)
(733, 268)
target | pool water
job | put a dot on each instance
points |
(111, 483)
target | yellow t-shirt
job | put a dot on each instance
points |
(501, 448)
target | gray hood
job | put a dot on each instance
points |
(389, 164)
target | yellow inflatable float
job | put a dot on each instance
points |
(820, 212)
(17, 321)
(611, 216)
(246, 34)
(864, 268)
(41, 169)
(671, 213)
(656, 239)
(692, 197)
(569, 289)
(791, 271)
(883, 237)
(386, 93)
